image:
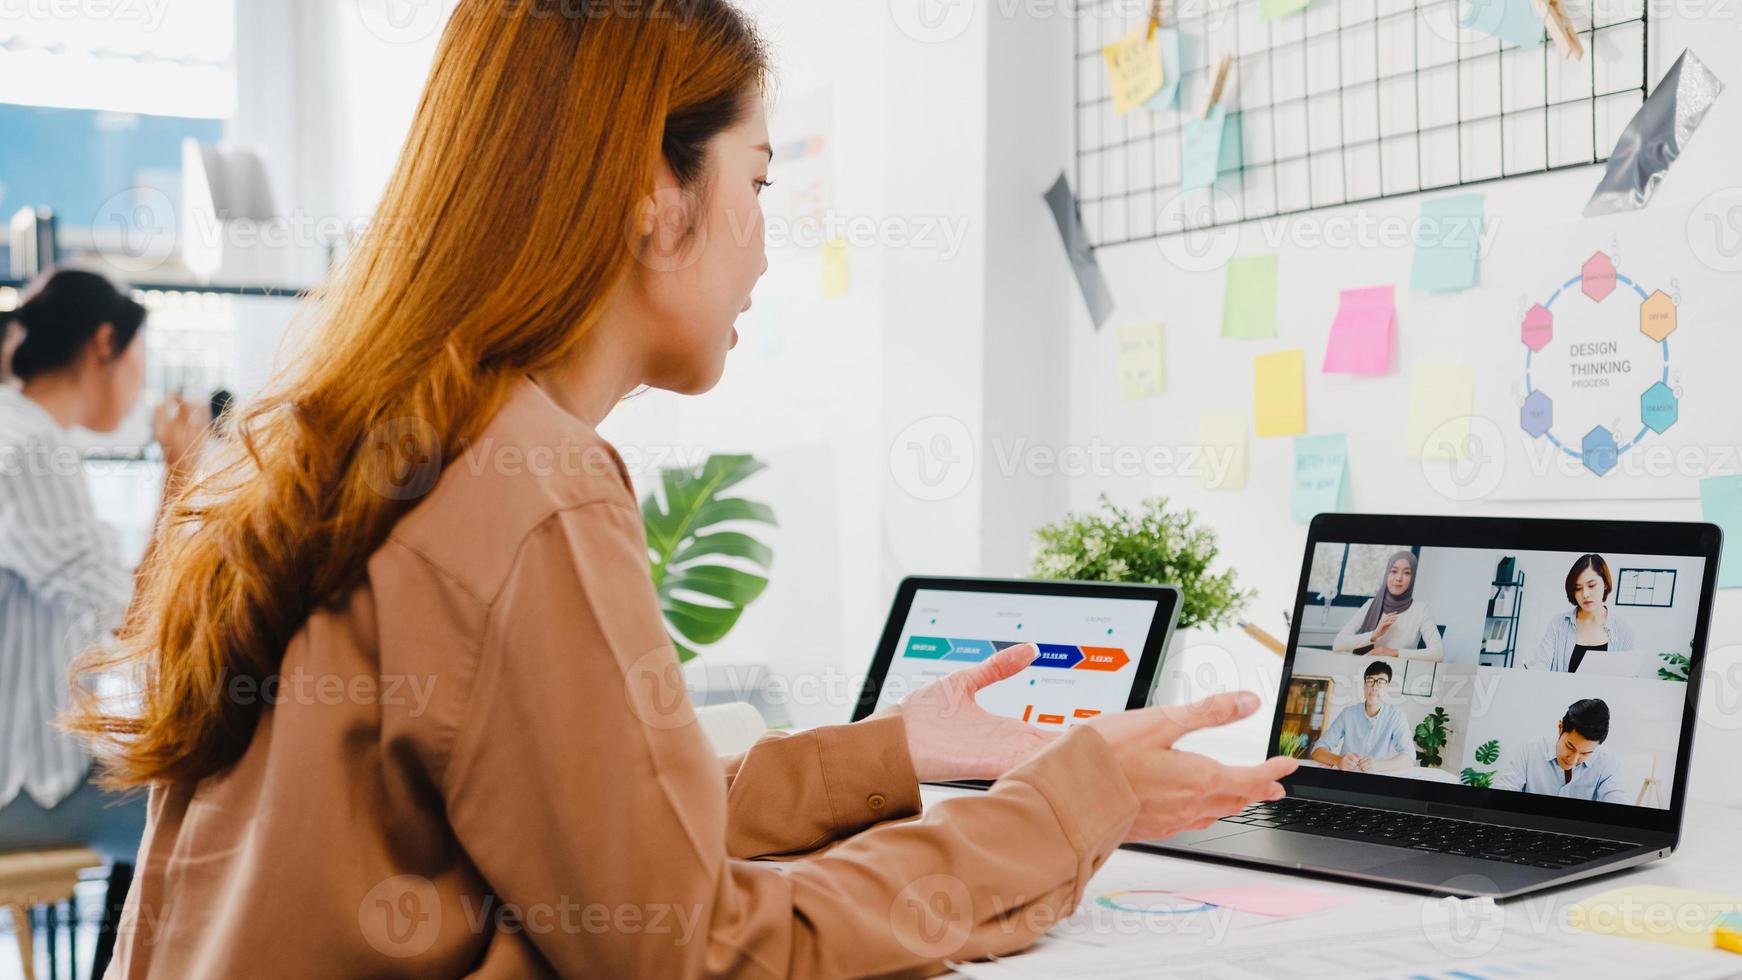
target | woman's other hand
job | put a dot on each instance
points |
(179, 426)
(950, 736)
(1385, 622)
(1181, 791)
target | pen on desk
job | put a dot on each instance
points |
(1273, 644)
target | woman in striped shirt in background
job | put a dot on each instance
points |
(70, 355)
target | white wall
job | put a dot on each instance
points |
(1259, 539)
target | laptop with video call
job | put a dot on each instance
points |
(1482, 706)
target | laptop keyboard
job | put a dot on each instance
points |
(1464, 838)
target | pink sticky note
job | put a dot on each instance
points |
(1264, 899)
(1361, 335)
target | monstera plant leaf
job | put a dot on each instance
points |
(698, 569)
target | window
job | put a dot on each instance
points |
(1349, 573)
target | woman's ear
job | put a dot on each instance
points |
(103, 342)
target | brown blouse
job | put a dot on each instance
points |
(483, 762)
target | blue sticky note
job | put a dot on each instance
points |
(1203, 149)
(1721, 503)
(1448, 244)
(1321, 476)
(1513, 21)
(1230, 156)
(1172, 66)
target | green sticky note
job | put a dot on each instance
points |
(1249, 299)
(1172, 65)
(1202, 157)
(1448, 245)
(1512, 21)
(1272, 9)
(1321, 476)
(1721, 503)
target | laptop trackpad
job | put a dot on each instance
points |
(1304, 850)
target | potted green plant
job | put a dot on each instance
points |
(1146, 544)
(704, 571)
(1487, 754)
(1431, 735)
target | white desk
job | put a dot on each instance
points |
(1709, 859)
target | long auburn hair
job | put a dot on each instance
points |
(508, 220)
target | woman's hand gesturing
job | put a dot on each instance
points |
(1183, 790)
(950, 736)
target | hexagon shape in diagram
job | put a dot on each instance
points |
(1538, 328)
(1598, 451)
(1597, 277)
(1657, 316)
(1658, 408)
(1537, 415)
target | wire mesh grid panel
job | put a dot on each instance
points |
(1345, 102)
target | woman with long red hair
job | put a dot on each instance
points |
(409, 704)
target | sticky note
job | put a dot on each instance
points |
(1268, 899)
(1441, 396)
(1721, 504)
(1249, 298)
(1090, 281)
(1448, 244)
(1279, 393)
(1361, 334)
(1675, 916)
(1321, 476)
(1172, 47)
(1222, 445)
(1513, 21)
(1134, 69)
(1201, 159)
(1272, 9)
(834, 268)
(1142, 362)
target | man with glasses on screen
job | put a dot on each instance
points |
(1573, 762)
(1368, 737)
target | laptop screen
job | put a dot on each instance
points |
(1552, 673)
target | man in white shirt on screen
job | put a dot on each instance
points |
(1572, 763)
(1371, 736)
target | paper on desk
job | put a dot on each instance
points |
(1249, 298)
(1134, 68)
(1512, 21)
(1270, 898)
(1222, 438)
(1279, 393)
(1406, 937)
(1677, 916)
(1448, 244)
(1321, 476)
(1142, 361)
(1440, 403)
(1361, 333)
(1721, 504)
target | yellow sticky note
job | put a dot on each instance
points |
(1222, 449)
(1440, 403)
(1677, 916)
(1142, 361)
(1279, 393)
(1134, 72)
(834, 268)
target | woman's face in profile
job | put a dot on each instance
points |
(1588, 590)
(120, 380)
(1399, 578)
(695, 285)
